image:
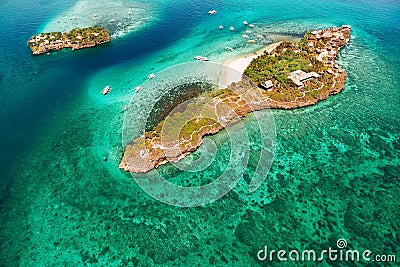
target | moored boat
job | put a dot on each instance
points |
(106, 90)
(200, 58)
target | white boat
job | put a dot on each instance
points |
(251, 25)
(106, 90)
(151, 76)
(231, 28)
(248, 31)
(245, 23)
(229, 48)
(119, 24)
(112, 20)
(245, 36)
(137, 88)
(212, 12)
(200, 58)
(129, 12)
(220, 27)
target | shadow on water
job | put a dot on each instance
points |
(175, 97)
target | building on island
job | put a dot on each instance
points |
(267, 85)
(299, 77)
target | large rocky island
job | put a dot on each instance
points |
(290, 76)
(75, 39)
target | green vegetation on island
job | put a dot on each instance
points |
(290, 76)
(77, 38)
(276, 68)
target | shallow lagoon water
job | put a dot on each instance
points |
(64, 201)
(120, 17)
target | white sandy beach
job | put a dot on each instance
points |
(237, 65)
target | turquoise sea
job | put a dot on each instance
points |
(65, 202)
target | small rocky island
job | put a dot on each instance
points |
(299, 75)
(291, 76)
(75, 39)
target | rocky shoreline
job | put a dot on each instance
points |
(75, 39)
(182, 132)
